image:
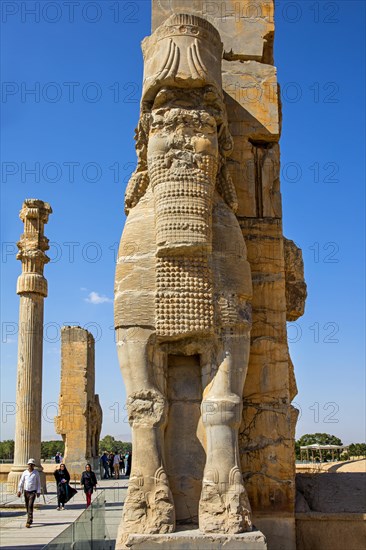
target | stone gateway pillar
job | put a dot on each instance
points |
(32, 289)
(183, 303)
(201, 306)
(80, 415)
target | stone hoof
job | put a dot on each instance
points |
(224, 507)
(162, 504)
(137, 480)
(134, 509)
(238, 509)
(149, 506)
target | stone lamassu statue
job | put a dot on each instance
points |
(182, 314)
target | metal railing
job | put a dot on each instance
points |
(88, 532)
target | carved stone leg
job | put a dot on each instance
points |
(224, 505)
(149, 506)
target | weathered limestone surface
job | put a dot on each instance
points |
(268, 424)
(80, 415)
(295, 285)
(192, 539)
(254, 110)
(279, 529)
(333, 493)
(331, 510)
(267, 430)
(32, 289)
(246, 27)
(321, 531)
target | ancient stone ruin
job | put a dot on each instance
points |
(32, 289)
(79, 419)
(201, 305)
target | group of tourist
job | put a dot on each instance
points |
(115, 464)
(30, 485)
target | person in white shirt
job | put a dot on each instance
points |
(116, 460)
(30, 484)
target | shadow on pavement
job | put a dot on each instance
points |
(9, 514)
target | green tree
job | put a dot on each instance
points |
(357, 449)
(109, 443)
(297, 450)
(125, 446)
(354, 449)
(317, 438)
(7, 449)
(320, 438)
(50, 448)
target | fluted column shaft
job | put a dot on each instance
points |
(32, 289)
(29, 380)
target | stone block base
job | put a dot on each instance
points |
(335, 531)
(193, 539)
(279, 530)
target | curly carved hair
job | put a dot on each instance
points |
(214, 104)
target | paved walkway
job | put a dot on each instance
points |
(48, 522)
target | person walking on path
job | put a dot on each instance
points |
(89, 481)
(110, 461)
(64, 490)
(121, 464)
(30, 484)
(116, 460)
(105, 464)
(128, 463)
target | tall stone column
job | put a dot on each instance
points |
(32, 289)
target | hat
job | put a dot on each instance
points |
(185, 51)
(31, 461)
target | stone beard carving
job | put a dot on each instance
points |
(182, 311)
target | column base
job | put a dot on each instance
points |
(16, 473)
(192, 539)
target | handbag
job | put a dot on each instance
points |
(70, 492)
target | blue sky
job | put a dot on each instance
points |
(70, 142)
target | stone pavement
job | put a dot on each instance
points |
(49, 522)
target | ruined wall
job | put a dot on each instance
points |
(331, 510)
(80, 416)
(254, 112)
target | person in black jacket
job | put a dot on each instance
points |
(89, 480)
(121, 463)
(64, 491)
(110, 462)
(128, 462)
